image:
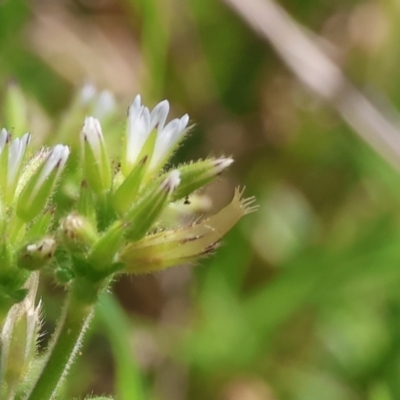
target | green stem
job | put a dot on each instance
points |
(65, 344)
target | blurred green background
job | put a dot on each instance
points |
(302, 301)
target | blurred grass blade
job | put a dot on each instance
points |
(129, 384)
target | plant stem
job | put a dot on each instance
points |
(65, 344)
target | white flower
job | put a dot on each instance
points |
(141, 123)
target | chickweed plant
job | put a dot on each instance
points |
(85, 216)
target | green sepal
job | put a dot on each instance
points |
(145, 212)
(40, 225)
(38, 189)
(126, 193)
(95, 162)
(86, 205)
(198, 174)
(103, 252)
(6, 258)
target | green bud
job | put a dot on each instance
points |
(145, 213)
(77, 233)
(126, 193)
(187, 244)
(96, 166)
(19, 338)
(36, 255)
(198, 174)
(38, 189)
(12, 153)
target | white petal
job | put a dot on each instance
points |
(221, 164)
(15, 157)
(159, 115)
(92, 133)
(138, 132)
(56, 159)
(167, 139)
(136, 105)
(3, 138)
(171, 181)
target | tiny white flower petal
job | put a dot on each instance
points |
(92, 132)
(178, 133)
(221, 164)
(171, 181)
(138, 132)
(166, 140)
(136, 104)
(56, 159)
(3, 138)
(183, 122)
(159, 115)
(15, 157)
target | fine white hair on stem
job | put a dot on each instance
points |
(302, 54)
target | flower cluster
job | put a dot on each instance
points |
(87, 217)
(113, 224)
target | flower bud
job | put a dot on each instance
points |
(173, 247)
(36, 255)
(96, 166)
(19, 338)
(145, 213)
(12, 153)
(199, 174)
(39, 187)
(77, 233)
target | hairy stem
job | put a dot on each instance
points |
(65, 344)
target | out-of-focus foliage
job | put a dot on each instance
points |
(302, 300)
